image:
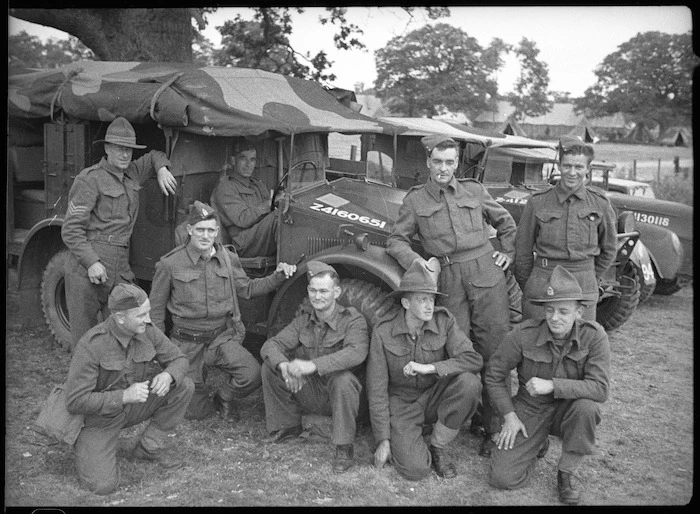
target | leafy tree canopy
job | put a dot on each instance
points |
(434, 68)
(530, 97)
(648, 77)
(25, 51)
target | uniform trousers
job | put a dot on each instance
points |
(86, 300)
(336, 394)
(538, 281)
(227, 354)
(450, 402)
(96, 447)
(574, 421)
(259, 240)
(478, 299)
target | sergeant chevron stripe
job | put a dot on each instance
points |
(76, 210)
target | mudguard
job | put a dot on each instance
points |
(642, 260)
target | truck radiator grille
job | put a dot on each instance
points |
(318, 244)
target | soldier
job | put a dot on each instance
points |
(102, 206)
(563, 365)
(571, 225)
(110, 383)
(421, 369)
(453, 219)
(194, 283)
(244, 204)
(326, 343)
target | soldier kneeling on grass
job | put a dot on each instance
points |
(421, 369)
(563, 365)
(109, 382)
(326, 343)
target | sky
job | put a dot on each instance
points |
(572, 40)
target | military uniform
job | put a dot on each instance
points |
(453, 224)
(103, 204)
(575, 230)
(400, 404)
(106, 361)
(244, 207)
(197, 293)
(579, 369)
(337, 347)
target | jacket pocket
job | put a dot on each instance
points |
(537, 362)
(575, 363)
(185, 288)
(551, 226)
(434, 222)
(588, 222)
(112, 203)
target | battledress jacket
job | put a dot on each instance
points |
(103, 353)
(440, 343)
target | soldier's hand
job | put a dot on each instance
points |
(287, 269)
(294, 383)
(166, 181)
(136, 393)
(511, 427)
(539, 386)
(382, 453)
(502, 260)
(160, 385)
(97, 273)
(300, 367)
(415, 368)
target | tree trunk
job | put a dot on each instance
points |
(123, 34)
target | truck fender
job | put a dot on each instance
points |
(664, 248)
(374, 261)
(642, 260)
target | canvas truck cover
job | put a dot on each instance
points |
(208, 100)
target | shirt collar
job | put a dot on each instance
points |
(194, 255)
(111, 168)
(562, 194)
(399, 327)
(246, 181)
(545, 336)
(434, 189)
(332, 322)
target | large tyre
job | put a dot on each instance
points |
(53, 299)
(645, 290)
(612, 312)
(369, 299)
(667, 286)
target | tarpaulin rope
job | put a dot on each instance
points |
(57, 94)
(160, 91)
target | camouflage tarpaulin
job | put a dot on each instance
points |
(209, 100)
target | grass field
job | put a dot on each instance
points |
(644, 454)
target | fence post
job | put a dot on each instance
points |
(634, 169)
(676, 165)
(353, 152)
(658, 172)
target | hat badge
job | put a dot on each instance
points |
(550, 291)
(204, 212)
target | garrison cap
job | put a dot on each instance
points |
(316, 267)
(200, 211)
(568, 142)
(417, 279)
(120, 132)
(562, 286)
(126, 296)
(430, 142)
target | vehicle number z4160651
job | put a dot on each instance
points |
(352, 216)
(652, 219)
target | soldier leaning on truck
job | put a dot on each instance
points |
(244, 205)
(453, 219)
(193, 282)
(103, 204)
(571, 225)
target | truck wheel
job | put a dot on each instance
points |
(53, 299)
(645, 290)
(612, 312)
(369, 299)
(667, 286)
(515, 298)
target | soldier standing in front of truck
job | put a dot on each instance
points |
(453, 219)
(103, 203)
(571, 225)
(194, 282)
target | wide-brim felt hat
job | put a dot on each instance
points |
(417, 279)
(120, 132)
(562, 286)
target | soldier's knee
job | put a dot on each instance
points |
(103, 485)
(469, 383)
(585, 408)
(504, 477)
(267, 373)
(345, 381)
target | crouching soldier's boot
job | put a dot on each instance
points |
(227, 409)
(343, 458)
(164, 458)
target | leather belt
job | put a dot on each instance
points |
(199, 337)
(446, 260)
(109, 239)
(543, 262)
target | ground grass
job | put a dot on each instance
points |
(644, 454)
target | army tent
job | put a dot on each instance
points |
(639, 134)
(676, 136)
(208, 100)
(585, 133)
(512, 128)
